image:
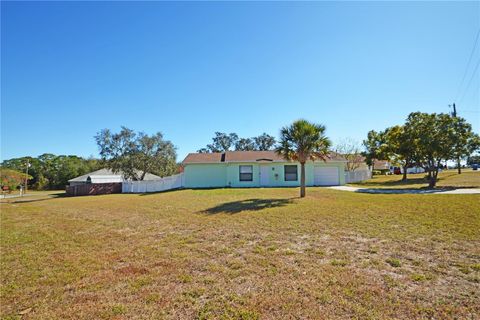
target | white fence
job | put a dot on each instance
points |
(357, 175)
(167, 183)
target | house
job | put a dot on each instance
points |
(258, 169)
(382, 165)
(105, 176)
(411, 170)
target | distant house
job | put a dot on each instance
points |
(258, 169)
(105, 176)
(382, 165)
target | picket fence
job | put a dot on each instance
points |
(164, 184)
(357, 175)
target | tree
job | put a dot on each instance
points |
(302, 141)
(12, 178)
(350, 150)
(244, 144)
(49, 171)
(373, 147)
(135, 154)
(20, 164)
(223, 142)
(436, 140)
(399, 146)
(467, 142)
(264, 142)
(473, 159)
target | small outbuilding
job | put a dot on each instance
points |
(103, 181)
(105, 176)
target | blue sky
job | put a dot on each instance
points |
(69, 69)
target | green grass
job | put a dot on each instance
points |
(446, 179)
(394, 262)
(240, 254)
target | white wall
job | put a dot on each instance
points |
(166, 183)
(357, 175)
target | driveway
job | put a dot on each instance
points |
(408, 191)
(9, 196)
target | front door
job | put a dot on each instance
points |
(264, 176)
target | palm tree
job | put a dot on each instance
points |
(302, 141)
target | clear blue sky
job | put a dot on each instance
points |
(189, 69)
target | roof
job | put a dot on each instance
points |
(203, 157)
(109, 172)
(381, 165)
(246, 156)
(105, 179)
(243, 156)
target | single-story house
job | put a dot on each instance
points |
(382, 165)
(105, 176)
(258, 169)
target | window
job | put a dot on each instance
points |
(246, 173)
(291, 173)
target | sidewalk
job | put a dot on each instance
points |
(6, 196)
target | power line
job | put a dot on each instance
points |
(470, 81)
(468, 65)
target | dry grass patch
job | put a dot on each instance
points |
(241, 254)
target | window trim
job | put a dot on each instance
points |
(240, 173)
(285, 172)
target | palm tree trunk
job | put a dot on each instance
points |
(302, 179)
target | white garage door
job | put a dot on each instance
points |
(326, 176)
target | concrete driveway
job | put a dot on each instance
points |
(407, 191)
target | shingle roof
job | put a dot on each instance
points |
(381, 165)
(242, 156)
(203, 157)
(108, 172)
(378, 164)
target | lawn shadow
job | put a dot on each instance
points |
(155, 192)
(247, 205)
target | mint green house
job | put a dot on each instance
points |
(257, 169)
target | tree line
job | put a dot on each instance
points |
(222, 142)
(133, 154)
(47, 171)
(426, 140)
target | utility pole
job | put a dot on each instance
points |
(454, 114)
(26, 177)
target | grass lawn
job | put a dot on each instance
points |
(447, 179)
(241, 254)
